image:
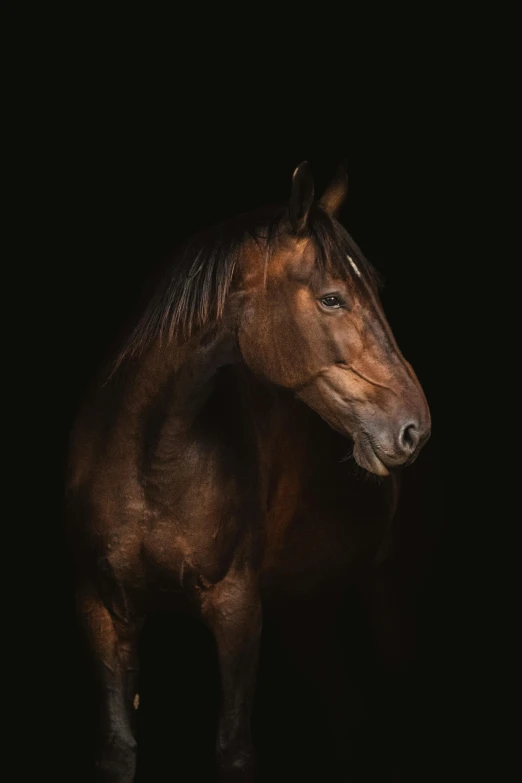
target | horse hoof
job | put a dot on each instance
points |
(241, 769)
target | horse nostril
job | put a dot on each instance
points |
(409, 437)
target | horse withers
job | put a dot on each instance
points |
(208, 463)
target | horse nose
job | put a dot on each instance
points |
(412, 434)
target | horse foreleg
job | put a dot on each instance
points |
(308, 632)
(391, 618)
(112, 645)
(232, 610)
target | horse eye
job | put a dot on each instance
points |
(331, 301)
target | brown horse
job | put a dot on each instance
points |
(208, 469)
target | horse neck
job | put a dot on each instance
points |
(179, 379)
(173, 383)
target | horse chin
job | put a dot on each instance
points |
(366, 457)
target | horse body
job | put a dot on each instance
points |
(202, 475)
(273, 471)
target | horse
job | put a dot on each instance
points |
(217, 464)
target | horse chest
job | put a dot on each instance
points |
(323, 532)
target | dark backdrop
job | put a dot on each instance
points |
(125, 186)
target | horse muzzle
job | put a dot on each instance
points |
(380, 451)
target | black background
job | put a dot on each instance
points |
(124, 172)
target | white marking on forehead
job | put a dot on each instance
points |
(354, 266)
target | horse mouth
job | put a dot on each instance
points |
(366, 456)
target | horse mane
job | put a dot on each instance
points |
(194, 289)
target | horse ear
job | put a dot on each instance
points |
(336, 192)
(301, 197)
